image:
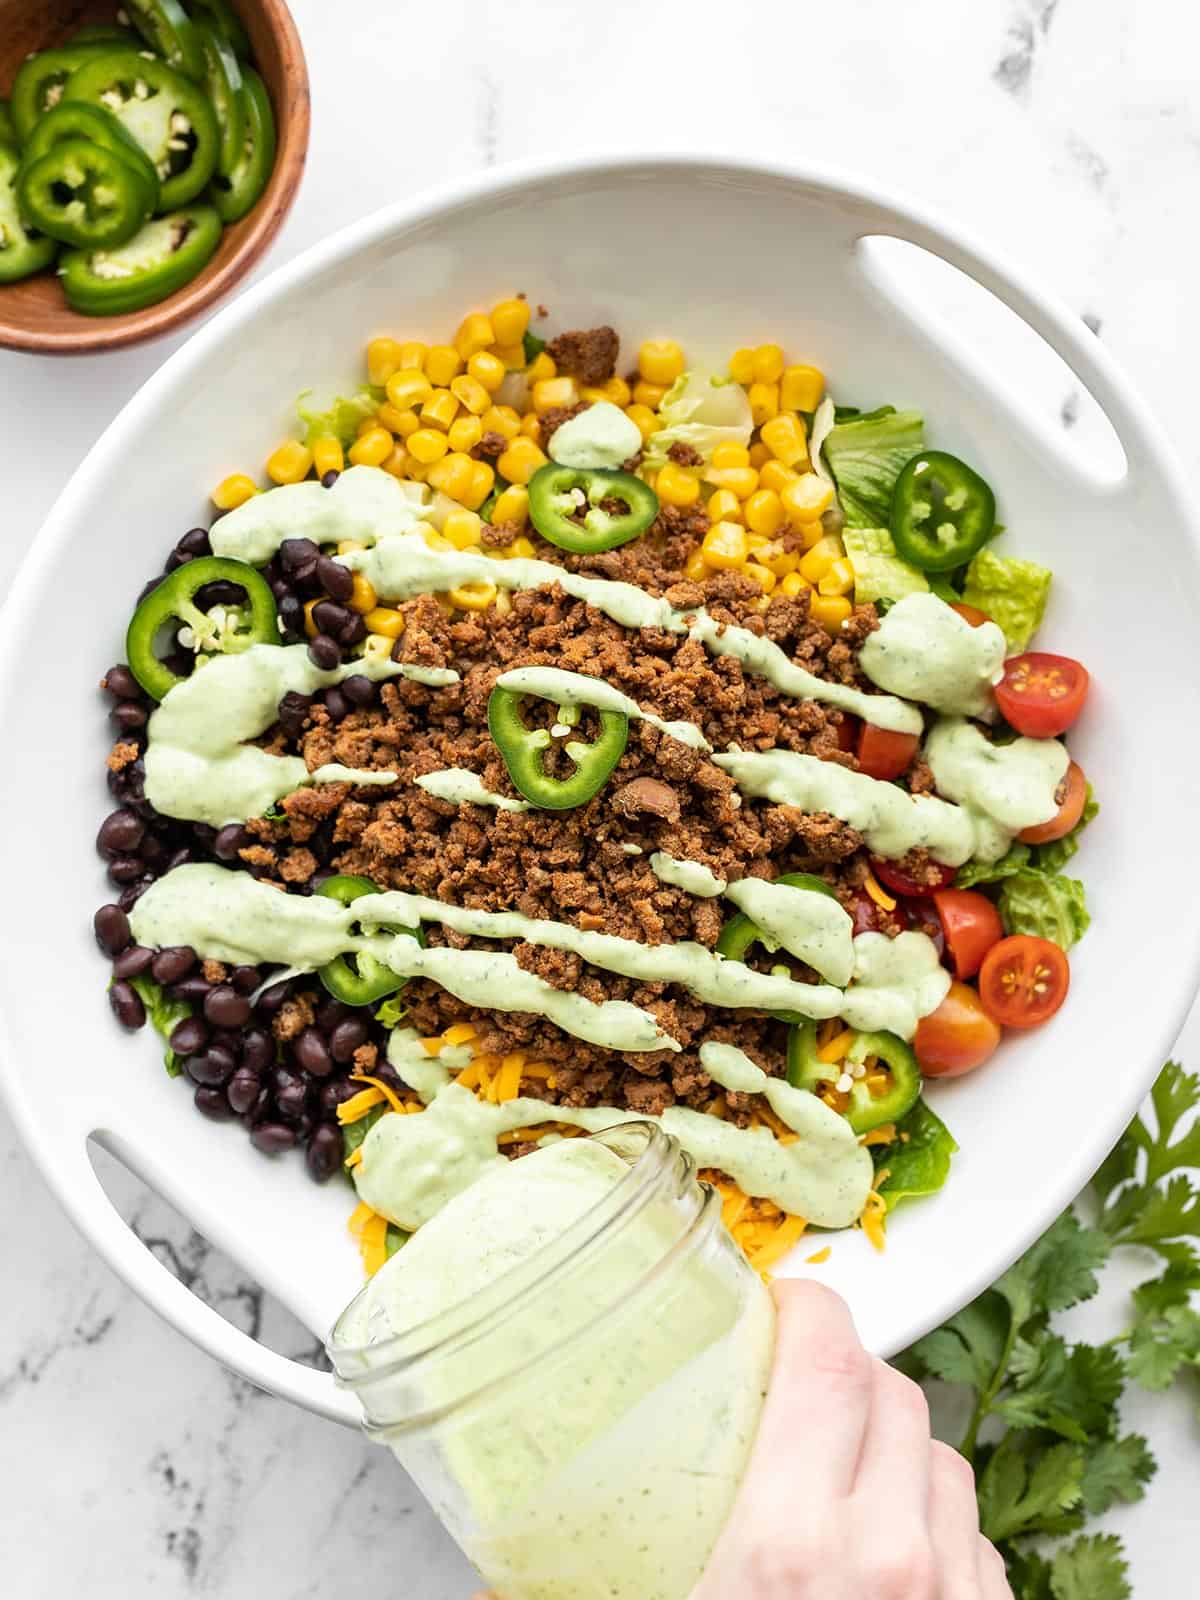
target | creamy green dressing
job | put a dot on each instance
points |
(602, 436)
(925, 651)
(813, 926)
(460, 786)
(619, 1401)
(693, 877)
(198, 765)
(1003, 788)
(427, 1074)
(365, 503)
(577, 689)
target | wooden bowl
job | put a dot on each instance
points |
(34, 314)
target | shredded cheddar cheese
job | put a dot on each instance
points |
(878, 893)
(819, 1257)
(358, 1105)
(838, 1047)
(388, 1094)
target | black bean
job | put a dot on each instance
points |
(120, 833)
(354, 631)
(273, 1138)
(328, 479)
(193, 989)
(120, 682)
(358, 690)
(270, 1000)
(177, 558)
(242, 1089)
(334, 1093)
(336, 704)
(132, 893)
(204, 831)
(231, 838)
(305, 1126)
(173, 963)
(189, 1036)
(148, 587)
(195, 542)
(258, 1049)
(219, 593)
(128, 715)
(214, 1065)
(125, 869)
(245, 979)
(291, 613)
(231, 1038)
(179, 857)
(261, 1107)
(323, 1156)
(225, 1007)
(153, 853)
(127, 1005)
(324, 652)
(292, 712)
(133, 962)
(295, 553)
(329, 617)
(213, 1103)
(348, 1037)
(335, 579)
(330, 1012)
(111, 927)
(312, 1053)
(291, 1100)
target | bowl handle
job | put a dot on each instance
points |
(146, 1275)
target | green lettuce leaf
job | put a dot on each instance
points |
(703, 411)
(532, 345)
(1047, 905)
(390, 1012)
(919, 1162)
(866, 457)
(164, 1014)
(341, 417)
(1012, 592)
(879, 573)
(1054, 856)
(395, 1239)
(354, 1133)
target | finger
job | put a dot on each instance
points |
(954, 1525)
(893, 1472)
(993, 1578)
(817, 1406)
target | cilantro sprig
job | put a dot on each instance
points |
(1044, 1434)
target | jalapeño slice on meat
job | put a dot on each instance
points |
(235, 191)
(72, 119)
(22, 250)
(942, 512)
(359, 979)
(885, 1092)
(162, 256)
(523, 749)
(588, 509)
(741, 931)
(85, 195)
(174, 600)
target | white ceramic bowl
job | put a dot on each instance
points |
(717, 255)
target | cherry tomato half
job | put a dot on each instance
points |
(923, 918)
(899, 882)
(885, 755)
(971, 614)
(1023, 981)
(1073, 790)
(972, 926)
(868, 917)
(1041, 695)
(846, 733)
(956, 1038)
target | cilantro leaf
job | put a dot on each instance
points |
(1028, 1488)
(1028, 1574)
(970, 1347)
(1117, 1470)
(1176, 1093)
(1059, 1271)
(1161, 1346)
(1069, 1392)
(1163, 1215)
(1180, 1280)
(1093, 1568)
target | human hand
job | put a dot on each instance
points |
(847, 1494)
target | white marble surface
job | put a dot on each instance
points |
(1066, 130)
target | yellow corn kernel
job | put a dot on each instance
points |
(616, 391)
(649, 394)
(429, 534)
(487, 370)
(290, 462)
(763, 576)
(328, 455)
(645, 420)
(730, 455)
(362, 597)
(465, 432)
(428, 445)
(650, 479)
(469, 392)
(407, 388)
(807, 498)
(839, 579)
(780, 561)
(660, 361)
(541, 368)
(551, 392)
(510, 318)
(476, 596)
(676, 486)
(793, 584)
(479, 485)
(768, 363)
(740, 481)
(377, 647)
(475, 332)
(819, 559)
(418, 471)
(401, 423)
(830, 610)
(399, 464)
(512, 505)
(522, 547)
(785, 437)
(531, 427)
(386, 621)
(383, 358)
(463, 529)
(774, 475)
(372, 449)
(310, 626)
(502, 420)
(442, 363)
(366, 425)
(412, 355)
(764, 512)
(512, 356)
(764, 402)
(695, 567)
(724, 546)
(440, 410)
(724, 506)
(811, 533)
(756, 542)
(453, 475)
(801, 388)
(759, 455)
(741, 365)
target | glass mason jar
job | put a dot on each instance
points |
(582, 1424)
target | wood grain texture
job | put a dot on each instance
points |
(34, 314)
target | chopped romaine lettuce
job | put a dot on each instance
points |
(395, 1239)
(823, 422)
(866, 456)
(879, 573)
(390, 1012)
(341, 417)
(919, 1162)
(1012, 592)
(354, 1133)
(1049, 905)
(164, 1014)
(703, 411)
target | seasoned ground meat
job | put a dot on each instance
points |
(684, 455)
(587, 354)
(552, 420)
